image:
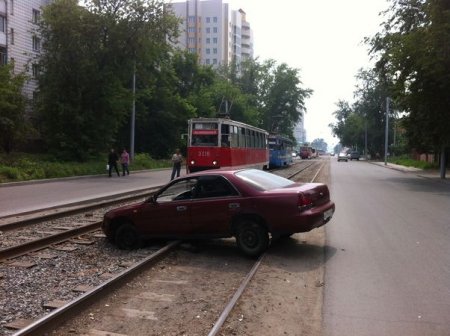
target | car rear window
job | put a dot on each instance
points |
(262, 180)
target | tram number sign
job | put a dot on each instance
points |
(203, 153)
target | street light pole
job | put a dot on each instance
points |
(386, 135)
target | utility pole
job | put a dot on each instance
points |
(386, 135)
(133, 114)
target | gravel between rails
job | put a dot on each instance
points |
(24, 291)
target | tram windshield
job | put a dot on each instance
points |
(204, 134)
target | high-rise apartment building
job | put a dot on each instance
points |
(213, 31)
(20, 42)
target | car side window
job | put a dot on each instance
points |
(180, 190)
(213, 186)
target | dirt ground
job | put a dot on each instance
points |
(285, 296)
(186, 293)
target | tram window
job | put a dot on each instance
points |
(242, 136)
(233, 136)
(204, 140)
(225, 140)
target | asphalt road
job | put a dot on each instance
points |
(390, 270)
(24, 197)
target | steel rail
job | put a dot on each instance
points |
(299, 171)
(14, 221)
(44, 324)
(221, 320)
(39, 244)
(226, 312)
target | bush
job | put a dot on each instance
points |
(408, 162)
(24, 167)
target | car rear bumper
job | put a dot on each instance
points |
(309, 219)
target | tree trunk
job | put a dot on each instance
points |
(443, 165)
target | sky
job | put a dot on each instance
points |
(321, 38)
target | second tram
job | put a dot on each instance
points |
(215, 143)
(281, 149)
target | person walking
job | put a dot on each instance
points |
(125, 160)
(112, 162)
(177, 159)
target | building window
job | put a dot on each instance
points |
(215, 61)
(208, 19)
(215, 40)
(12, 7)
(215, 51)
(192, 50)
(35, 70)
(191, 29)
(215, 30)
(36, 16)
(208, 40)
(36, 43)
(2, 56)
(208, 61)
(208, 51)
(2, 23)
(191, 40)
(208, 30)
(191, 19)
(215, 19)
(11, 35)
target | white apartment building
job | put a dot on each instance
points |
(300, 133)
(213, 31)
(20, 43)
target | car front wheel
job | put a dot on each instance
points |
(127, 238)
(252, 238)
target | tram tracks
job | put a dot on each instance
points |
(212, 321)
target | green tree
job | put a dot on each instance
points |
(413, 53)
(89, 56)
(320, 144)
(13, 125)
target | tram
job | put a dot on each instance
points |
(217, 143)
(306, 152)
(280, 149)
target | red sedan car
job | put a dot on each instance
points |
(249, 204)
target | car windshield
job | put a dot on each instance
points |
(262, 180)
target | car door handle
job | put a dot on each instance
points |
(233, 205)
(181, 208)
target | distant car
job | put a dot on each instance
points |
(354, 155)
(248, 204)
(342, 157)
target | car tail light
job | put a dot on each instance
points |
(304, 202)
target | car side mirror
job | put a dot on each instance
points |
(152, 199)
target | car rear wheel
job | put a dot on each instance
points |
(252, 238)
(127, 238)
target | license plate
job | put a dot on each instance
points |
(327, 214)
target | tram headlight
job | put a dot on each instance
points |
(192, 162)
(214, 163)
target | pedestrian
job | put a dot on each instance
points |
(112, 162)
(177, 159)
(125, 161)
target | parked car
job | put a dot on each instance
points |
(342, 157)
(354, 155)
(248, 204)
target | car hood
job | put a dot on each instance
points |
(123, 209)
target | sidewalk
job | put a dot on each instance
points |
(433, 174)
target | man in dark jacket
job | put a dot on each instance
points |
(112, 162)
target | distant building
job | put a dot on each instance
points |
(213, 31)
(20, 43)
(300, 133)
